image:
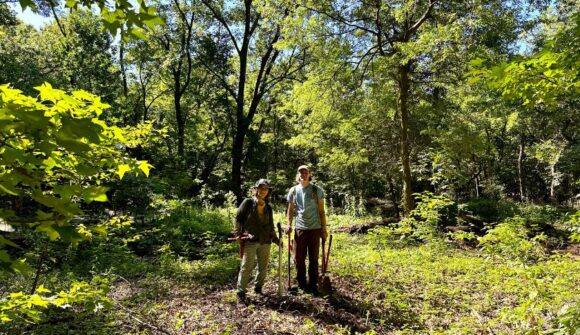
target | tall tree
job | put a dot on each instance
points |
(253, 29)
(417, 46)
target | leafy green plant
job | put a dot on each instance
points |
(568, 321)
(57, 156)
(490, 210)
(19, 307)
(425, 221)
(510, 239)
(573, 225)
(462, 237)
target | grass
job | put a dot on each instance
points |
(447, 291)
(185, 284)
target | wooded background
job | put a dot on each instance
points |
(125, 121)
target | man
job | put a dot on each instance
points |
(306, 202)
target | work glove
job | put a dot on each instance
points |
(277, 241)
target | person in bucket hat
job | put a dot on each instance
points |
(255, 230)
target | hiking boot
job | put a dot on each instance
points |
(242, 299)
(312, 290)
(258, 290)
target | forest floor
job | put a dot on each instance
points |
(179, 278)
(377, 289)
(199, 310)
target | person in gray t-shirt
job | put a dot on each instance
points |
(306, 202)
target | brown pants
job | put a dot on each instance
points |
(307, 242)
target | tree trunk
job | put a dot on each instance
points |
(122, 64)
(179, 119)
(553, 183)
(237, 161)
(404, 137)
(520, 174)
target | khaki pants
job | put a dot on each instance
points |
(253, 251)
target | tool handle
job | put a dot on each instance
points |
(323, 257)
(328, 253)
(242, 237)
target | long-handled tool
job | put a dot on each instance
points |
(291, 290)
(241, 239)
(280, 289)
(289, 255)
(324, 280)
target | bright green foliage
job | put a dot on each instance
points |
(568, 322)
(545, 77)
(426, 290)
(574, 226)
(57, 153)
(425, 221)
(19, 306)
(510, 239)
(120, 14)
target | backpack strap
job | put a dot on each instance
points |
(315, 194)
(247, 206)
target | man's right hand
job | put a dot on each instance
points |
(288, 230)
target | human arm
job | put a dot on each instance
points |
(241, 216)
(272, 229)
(290, 217)
(322, 214)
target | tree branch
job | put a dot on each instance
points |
(222, 20)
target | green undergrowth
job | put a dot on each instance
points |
(442, 290)
(405, 279)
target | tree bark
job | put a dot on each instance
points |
(179, 119)
(122, 64)
(553, 183)
(409, 204)
(520, 174)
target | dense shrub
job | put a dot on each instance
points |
(511, 239)
(490, 210)
(572, 224)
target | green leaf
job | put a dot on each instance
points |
(95, 193)
(4, 257)
(27, 4)
(137, 33)
(145, 167)
(21, 267)
(43, 215)
(69, 234)
(72, 144)
(87, 170)
(48, 229)
(4, 241)
(8, 189)
(478, 62)
(122, 169)
(41, 289)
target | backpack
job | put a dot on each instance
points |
(245, 211)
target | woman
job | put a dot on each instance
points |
(255, 230)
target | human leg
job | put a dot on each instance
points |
(247, 266)
(313, 254)
(263, 253)
(300, 238)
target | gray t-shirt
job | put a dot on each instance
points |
(307, 217)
